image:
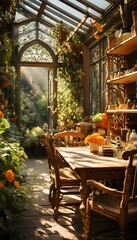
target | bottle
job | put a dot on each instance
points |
(128, 136)
(128, 104)
(118, 141)
(133, 136)
(119, 148)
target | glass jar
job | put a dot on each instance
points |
(119, 151)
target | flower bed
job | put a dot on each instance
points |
(13, 188)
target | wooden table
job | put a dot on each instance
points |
(91, 166)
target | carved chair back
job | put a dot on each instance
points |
(119, 205)
(69, 138)
(64, 181)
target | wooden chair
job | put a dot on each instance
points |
(120, 206)
(64, 181)
(69, 138)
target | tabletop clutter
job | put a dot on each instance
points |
(115, 147)
(131, 143)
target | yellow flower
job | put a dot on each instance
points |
(9, 174)
(16, 184)
(95, 138)
(1, 185)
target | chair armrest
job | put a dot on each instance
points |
(102, 187)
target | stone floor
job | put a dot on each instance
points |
(37, 221)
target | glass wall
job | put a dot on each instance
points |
(98, 75)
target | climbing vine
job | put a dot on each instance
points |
(69, 90)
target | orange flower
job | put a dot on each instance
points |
(104, 120)
(99, 27)
(1, 114)
(1, 185)
(103, 123)
(16, 184)
(96, 36)
(9, 174)
(95, 138)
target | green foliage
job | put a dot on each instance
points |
(69, 101)
(13, 191)
(33, 108)
(8, 10)
(4, 124)
(96, 118)
(32, 136)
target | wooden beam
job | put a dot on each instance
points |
(41, 10)
(75, 31)
(77, 28)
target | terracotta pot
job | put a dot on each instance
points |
(111, 42)
(4, 83)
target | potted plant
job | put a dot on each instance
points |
(60, 32)
(100, 120)
(33, 141)
(111, 37)
(95, 141)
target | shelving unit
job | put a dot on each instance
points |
(125, 79)
(116, 55)
(122, 111)
(126, 47)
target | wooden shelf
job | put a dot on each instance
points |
(122, 111)
(125, 48)
(125, 79)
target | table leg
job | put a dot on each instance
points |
(85, 190)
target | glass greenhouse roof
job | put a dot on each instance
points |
(74, 13)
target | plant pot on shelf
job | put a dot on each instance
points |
(4, 83)
(111, 42)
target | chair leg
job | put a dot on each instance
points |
(87, 221)
(52, 195)
(123, 235)
(57, 200)
(51, 189)
(56, 207)
(123, 224)
(123, 232)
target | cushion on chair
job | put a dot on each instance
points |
(66, 174)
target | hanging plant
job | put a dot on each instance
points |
(60, 32)
(8, 10)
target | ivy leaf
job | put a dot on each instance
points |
(4, 124)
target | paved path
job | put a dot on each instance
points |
(37, 222)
